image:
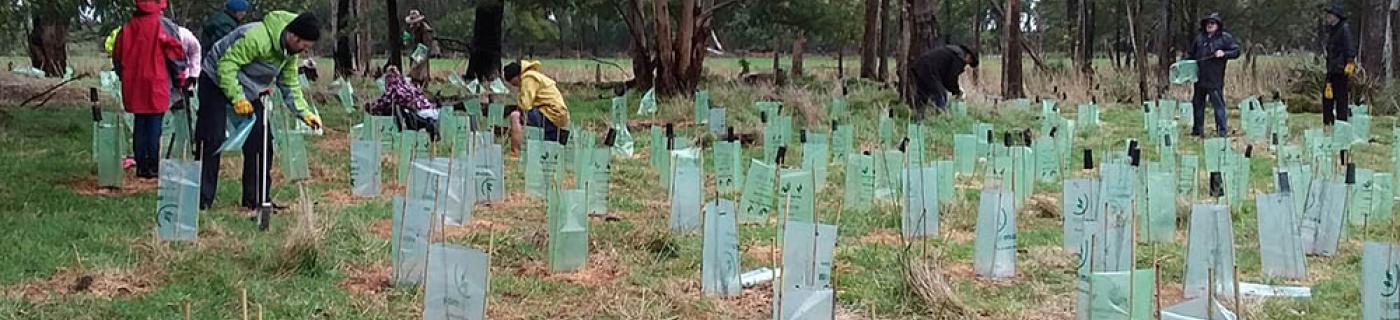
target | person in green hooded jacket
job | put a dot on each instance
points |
(219, 24)
(250, 62)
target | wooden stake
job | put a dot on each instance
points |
(187, 310)
(1239, 313)
(244, 295)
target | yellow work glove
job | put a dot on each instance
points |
(243, 107)
(311, 119)
(1327, 92)
(1350, 69)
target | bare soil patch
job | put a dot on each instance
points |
(87, 185)
(365, 279)
(103, 283)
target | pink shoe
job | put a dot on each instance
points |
(128, 163)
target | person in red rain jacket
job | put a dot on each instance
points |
(150, 61)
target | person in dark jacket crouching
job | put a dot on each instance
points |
(1341, 64)
(936, 75)
(1211, 49)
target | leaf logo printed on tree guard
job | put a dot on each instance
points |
(167, 213)
(1389, 285)
(1081, 206)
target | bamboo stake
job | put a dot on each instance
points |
(244, 294)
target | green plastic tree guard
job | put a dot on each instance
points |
(1210, 246)
(920, 214)
(757, 201)
(719, 264)
(994, 249)
(458, 280)
(1280, 250)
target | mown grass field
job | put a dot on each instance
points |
(57, 233)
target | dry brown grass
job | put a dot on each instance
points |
(926, 279)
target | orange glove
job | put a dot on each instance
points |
(243, 107)
(1327, 92)
(1350, 69)
(312, 120)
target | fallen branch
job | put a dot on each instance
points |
(48, 94)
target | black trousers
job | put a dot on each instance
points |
(209, 135)
(146, 143)
(1337, 107)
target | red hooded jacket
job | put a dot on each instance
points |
(149, 59)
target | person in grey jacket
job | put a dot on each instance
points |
(1211, 49)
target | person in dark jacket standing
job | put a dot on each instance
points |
(219, 24)
(936, 74)
(1341, 63)
(1211, 49)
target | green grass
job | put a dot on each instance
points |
(642, 272)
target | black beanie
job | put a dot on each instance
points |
(511, 70)
(306, 26)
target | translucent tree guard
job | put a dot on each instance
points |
(888, 165)
(919, 217)
(806, 303)
(1023, 174)
(1322, 217)
(412, 223)
(177, 200)
(1077, 207)
(994, 249)
(859, 194)
(658, 150)
(597, 181)
(541, 166)
(364, 168)
(568, 228)
(1159, 219)
(1215, 151)
(618, 112)
(292, 152)
(946, 175)
(775, 134)
(687, 190)
(729, 166)
(1383, 200)
(490, 173)
(914, 151)
(815, 158)
(1114, 232)
(1280, 249)
(757, 201)
(1210, 247)
(1360, 200)
(107, 145)
(965, 153)
(807, 255)
(796, 194)
(842, 143)
(702, 106)
(1198, 309)
(1189, 179)
(717, 121)
(720, 263)
(1047, 160)
(1088, 116)
(886, 130)
(1380, 267)
(1117, 295)
(458, 283)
